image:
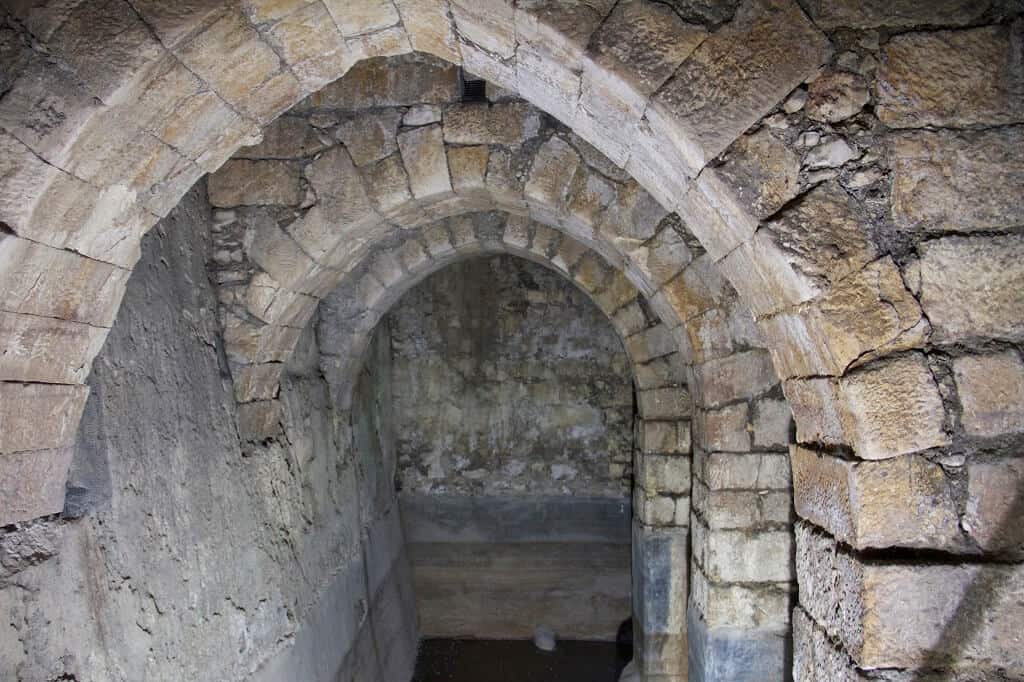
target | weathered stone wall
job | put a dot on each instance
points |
(181, 556)
(513, 418)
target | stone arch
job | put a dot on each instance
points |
(847, 334)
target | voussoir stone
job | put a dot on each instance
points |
(957, 181)
(836, 96)
(504, 123)
(289, 137)
(993, 505)
(39, 416)
(952, 78)
(370, 136)
(762, 172)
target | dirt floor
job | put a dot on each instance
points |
(454, 660)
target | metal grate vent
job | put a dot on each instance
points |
(473, 89)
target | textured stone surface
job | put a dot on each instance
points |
(762, 171)
(425, 160)
(255, 183)
(994, 503)
(957, 181)
(836, 96)
(952, 78)
(991, 390)
(508, 124)
(902, 502)
(831, 14)
(970, 287)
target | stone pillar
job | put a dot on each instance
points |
(659, 601)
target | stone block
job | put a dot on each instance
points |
(259, 420)
(761, 171)
(957, 181)
(725, 429)
(991, 389)
(425, 161)
(771, 422)
(257, 382)
(995, 496)
(39, 416)
(46, 349)
(652, 342)
(668, 437)
(951, 79)
(742, 607)
(33, 483)
(430, 28)
(243, 182)
(547, 83)
(742, 375)
(764, 276)
(506, 123)
(387, 184)
(719, 91)
(824, 236)
(665, 403)
(660, 584)
(890, 614)
(902, 502)
(365, 16)
(892, 408)
(836, 96)
(970, 287)
(468, 167)
(728, 654)
(288, 137)
(370, 137)
(344, 211)
(743, 557)
(551, 175)
(276, 252)
(664, 474)
(860, 14)
(488, 23)
(401, 82)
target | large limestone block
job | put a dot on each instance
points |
(893, 407)
(740, 557)
(489, 24)
(44, 349)
(665, 403)
(560, 29)
(363, 16)
(832, 14)
(38, 280)
(430, 28)
(388, 184)
(551, 175)
(289, 137)
(370, 136)
(761, 171)
(738, 74)
(824, 236)
(994, 504)
(870, 312)
(724, 429)
(243, 182)
(902, 502)
(425, 161)
(742, 375)
(409, 80)
(32, 483)
(991, 390)
(890, 614)
(344, 209)
(39, 416)
(741, 607)
(507, 123)
(970, 287)
(175, 21)
(952, 78)
(946, 181)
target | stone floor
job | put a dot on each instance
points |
(453, 660)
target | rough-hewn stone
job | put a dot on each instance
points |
(255, 183)
(991, 390)
(832, 14)
(951, 78)
(946, 181)
(762, 171)
(836, 96)
(425, 160)
(506, 123)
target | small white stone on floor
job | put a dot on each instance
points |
(544, 638)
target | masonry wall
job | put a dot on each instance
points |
(182, 555)
(513, 416)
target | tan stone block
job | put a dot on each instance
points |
(266, 300)
(902, 502)
(174, 22)
(414, 257)
(737, 556)
(488, 23)
(548, 84)
(363, 16)
(743, 375)
(38, 280)
(551, 176)
(505, 123)
(898, 615)
(310, 43)
(425, 160)
(664, 256)
(388, 184)
(468, 166)
(970, 287)
(256, 382)
(288, 137)
(743, 607)
(430, 28)
(725, 429)
(230, 55)
(370, 137)
(344, 210)
(771, 423)
(761, 171)
(836, 96)
(653, 509)
(764, 276)
(249, 343)
(48, 350)
(650, 343)
(664, 474)
(957, 181)
(665, 403)
(832, 14)
(991, 389)
(39, 416)
(868, 313)
(892, 408)
(719, 91)
(994, 503)
(255, 183)
(276, 252)
(668, 437)
(413, 79)
(32, 483)
(816, 410)
(950, 78)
